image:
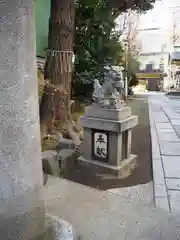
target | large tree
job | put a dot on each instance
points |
(132, 69)
(58, 67)
(93, 41)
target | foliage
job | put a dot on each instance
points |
(123, 5)
(133, 63)
(132, 68)
(133, 81)
(95, 44)
(96, 41)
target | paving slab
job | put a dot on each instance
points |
(167, 130)
(171, 149)
(162, 202)
(160, 190)
(177, 129)
(163, 125)
(173, 183)
(174, 117)
(174, 199)
(168, 137)
(170, 112)
(166, 155)
(171, 166)
(161, 118)
(175, 122)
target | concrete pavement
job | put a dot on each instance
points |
(165, 134)
(103, 215)
(124, 213)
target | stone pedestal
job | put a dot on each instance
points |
(21, 208)
(107, 138)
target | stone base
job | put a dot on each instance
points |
(114, 114)
(104, 170)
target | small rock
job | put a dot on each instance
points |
(50, 163)
(67, 158)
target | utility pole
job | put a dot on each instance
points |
(126, 72)
(127, 43)
(132, 21)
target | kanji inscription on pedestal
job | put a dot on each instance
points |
(100, 145)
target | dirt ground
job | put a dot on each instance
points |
(141, 146)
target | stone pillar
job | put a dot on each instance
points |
(21, 211)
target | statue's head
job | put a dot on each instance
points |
(114, 75)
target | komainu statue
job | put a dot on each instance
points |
(110, 94)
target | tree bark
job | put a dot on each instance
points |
(55, 103)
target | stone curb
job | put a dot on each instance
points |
(159, 184)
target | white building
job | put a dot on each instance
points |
(158, 25)
(158, 37)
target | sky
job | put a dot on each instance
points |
(161, 17)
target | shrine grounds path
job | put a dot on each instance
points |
(141, 146)
(165, 134)
(102, 215)
(130, 213)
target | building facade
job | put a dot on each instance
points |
(153, 68)
(156, 31)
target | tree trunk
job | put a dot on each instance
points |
(55, 103)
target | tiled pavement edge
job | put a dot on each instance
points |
(165, 140)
